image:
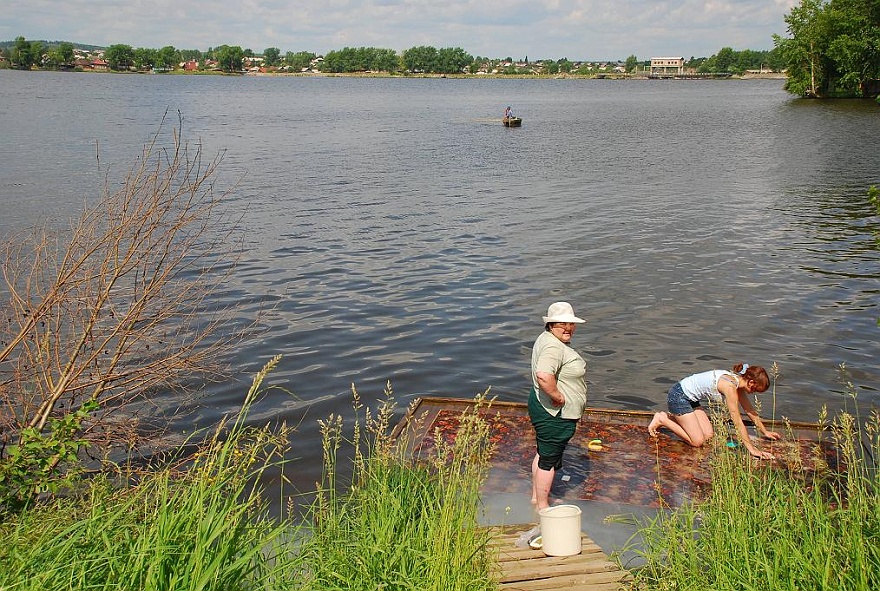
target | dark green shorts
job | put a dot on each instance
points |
(552, 433)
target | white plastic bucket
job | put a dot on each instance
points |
(561, 530)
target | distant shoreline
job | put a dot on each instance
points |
(616, 76)
(764, 76)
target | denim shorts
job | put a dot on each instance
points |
(678, 403)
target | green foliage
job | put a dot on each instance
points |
(43, 461)
(420, 59)
(452, 60)
(631, 63)
(206, 529)
(191, 54)
(763, 527)
(144, 58)
(403, 526)
(737, 62)
(272, 56)
(60, 56)
(298, 61)
(833, 48)
(120, 57)
(167, 58)
(229, 58)
(21, 55)
(360, 59)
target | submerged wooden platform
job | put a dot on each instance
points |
(631, 468)
(524, 569)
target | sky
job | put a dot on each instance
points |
(533, 29)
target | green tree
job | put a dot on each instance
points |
(452, 60)
(420, 59)
(272, 56)
(387, 60)
(299, 61)
(20, 54)
(855, 48)
(632, 63)
(167, 58)
(190, 54)
(37, 51)
(64, 54)
(724, 59)
(143, 58)
(119, 57)
(229, 58)
(833, 48)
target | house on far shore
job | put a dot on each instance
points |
(667, 65)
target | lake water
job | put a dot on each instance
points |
(397, 231)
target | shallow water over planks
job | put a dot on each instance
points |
(631, 468)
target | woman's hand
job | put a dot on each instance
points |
(761, 455)
(547, 383)
(772, 435)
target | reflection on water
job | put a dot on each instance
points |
(630, 468)
(394, 231)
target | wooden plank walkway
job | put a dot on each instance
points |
(524, 569)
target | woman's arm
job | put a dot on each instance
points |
(547, 383)
(756, 419)
(732, 400)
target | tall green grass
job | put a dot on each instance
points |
(206, 528)
(403, 525)
(765, 528)
(397, 525)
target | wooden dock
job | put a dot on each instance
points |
(524, 569)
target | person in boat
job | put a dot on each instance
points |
(688, 419)
(557, 398)
(508, 114)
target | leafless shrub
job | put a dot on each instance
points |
(120, 307)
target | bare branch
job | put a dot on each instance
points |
(123, 307)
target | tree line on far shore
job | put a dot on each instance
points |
(833, 50)
(24, 54)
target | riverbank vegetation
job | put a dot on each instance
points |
(404, 525)
(833, 48)
(203, 521)
(102, 315)
(760, 527)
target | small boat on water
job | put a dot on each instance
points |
(512, 121)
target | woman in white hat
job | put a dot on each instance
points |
(557, 398)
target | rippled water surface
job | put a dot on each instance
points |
(397, 231)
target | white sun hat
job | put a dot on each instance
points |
(561, 312)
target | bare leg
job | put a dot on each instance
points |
(542, 480)
(656, 423)
(534, 483)
(705, 424)
(693, 427)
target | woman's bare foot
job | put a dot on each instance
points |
(656, 423)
